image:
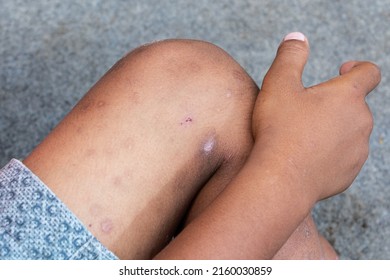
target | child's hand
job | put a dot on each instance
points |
(321, 134)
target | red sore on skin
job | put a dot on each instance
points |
(186, 121)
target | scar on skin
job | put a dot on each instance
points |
(101, 103)
(106, 226)
(229, 93)
(209, 145)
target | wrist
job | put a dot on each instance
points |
(279, 167)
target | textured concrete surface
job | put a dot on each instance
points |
(51, 52)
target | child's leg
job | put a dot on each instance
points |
(131, 156)
(306, 244)
(166, 120)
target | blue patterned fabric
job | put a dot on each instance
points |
(35, 224)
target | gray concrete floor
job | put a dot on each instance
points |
(51, 52)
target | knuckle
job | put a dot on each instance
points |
(362, 156)
(368, 121)
(364, 119)
(370, 124)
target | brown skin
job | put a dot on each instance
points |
(134, 154)
(309, 144)
(131, 156)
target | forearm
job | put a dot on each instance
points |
(251, 219)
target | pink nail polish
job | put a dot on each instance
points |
(295, 36)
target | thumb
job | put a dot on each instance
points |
(287, 68)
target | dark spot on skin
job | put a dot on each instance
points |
(186, 121)
(117, 181)
(90, 152)
(194, 67)
(183, 67)
(84, 106)
(90, 225)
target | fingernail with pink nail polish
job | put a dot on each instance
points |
(295, 36)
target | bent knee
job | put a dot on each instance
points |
(188, 63)
(198, 82)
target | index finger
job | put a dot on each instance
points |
(362, 76)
